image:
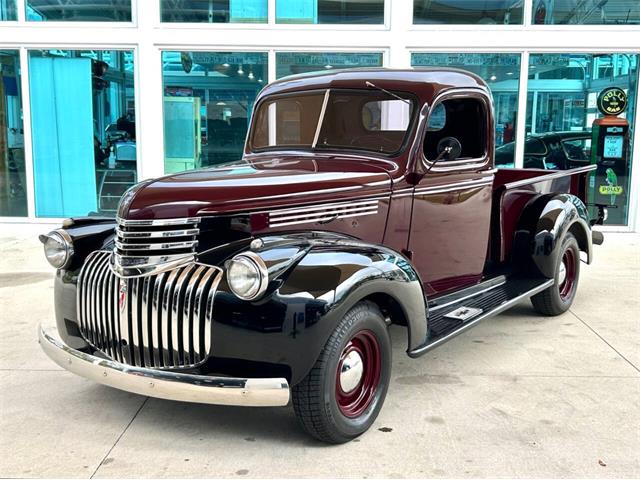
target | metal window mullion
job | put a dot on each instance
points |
(27, 130)
(521, 127)
(321, 117)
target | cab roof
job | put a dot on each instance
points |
(425, 83)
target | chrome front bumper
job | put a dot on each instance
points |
(250, 392)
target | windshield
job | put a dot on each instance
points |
(359, 120)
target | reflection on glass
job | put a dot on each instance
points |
(561, 109)
(79, 10)
(501, 71)
(586, 12)
(13, 197)
(291, 63)
(467, 11)
(330, 11)
(8, 10)
(83, 129)
(208, 99)
(214, 11)
(353, 120)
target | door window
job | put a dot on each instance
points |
(461, 118)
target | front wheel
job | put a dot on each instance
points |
(558, 297)
(343, 393)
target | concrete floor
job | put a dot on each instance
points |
(518, 396)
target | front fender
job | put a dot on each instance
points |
(304, 304)
(560, 215)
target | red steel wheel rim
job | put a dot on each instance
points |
(355, 401)
(569, 262)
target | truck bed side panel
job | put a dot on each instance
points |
(514, 189)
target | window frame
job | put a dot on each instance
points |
(467, 163)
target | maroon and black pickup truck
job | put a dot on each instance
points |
(364, 198)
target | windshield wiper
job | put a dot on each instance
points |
(372, 85)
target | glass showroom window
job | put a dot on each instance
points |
(561, 108)
(501, 71)
(330, 11)
(291, 63)
(8, 10)
(13, 198)
(208, 99)
(214, 11)
(79, 10)
(591, 12)
(83, 129)
(467, 11)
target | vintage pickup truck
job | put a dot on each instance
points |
(364, 198)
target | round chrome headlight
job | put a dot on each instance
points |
(247, 276)
(58, 248)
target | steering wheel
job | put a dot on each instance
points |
(375, 139)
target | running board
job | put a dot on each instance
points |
(450, 319)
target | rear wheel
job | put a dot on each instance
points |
(342, 395)
(558, 298)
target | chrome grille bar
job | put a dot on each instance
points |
(147, 247)
(160, 321)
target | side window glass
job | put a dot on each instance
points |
(577, 149)
(534, 146)
(465, 120)
(437, 119)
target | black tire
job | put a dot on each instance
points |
(558, 298)
(315, 398)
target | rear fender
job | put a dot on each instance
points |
(560, 215)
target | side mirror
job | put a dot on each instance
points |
(449, 148)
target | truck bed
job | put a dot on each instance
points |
(515, 188)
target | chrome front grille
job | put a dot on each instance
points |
(144, 247)
(161, 321)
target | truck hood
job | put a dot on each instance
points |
(254, 185)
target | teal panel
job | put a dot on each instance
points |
(247, 11)
(298, 11)
(62, 126)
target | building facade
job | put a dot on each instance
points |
(97, 95)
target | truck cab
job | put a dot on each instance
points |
(364, 198)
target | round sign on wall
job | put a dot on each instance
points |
(612, 101)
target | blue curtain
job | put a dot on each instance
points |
(62, 126)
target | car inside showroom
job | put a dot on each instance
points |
(261, 217)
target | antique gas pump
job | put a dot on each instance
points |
(610, 152)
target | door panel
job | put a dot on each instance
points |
(449, 231)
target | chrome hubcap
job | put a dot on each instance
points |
(351, 372)
(562, 273)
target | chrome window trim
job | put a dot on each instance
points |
(464, 164)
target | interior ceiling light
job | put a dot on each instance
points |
(250, 76)
(328, 66)
(509, 73)
(225, 65)
(493, 78)
(240, 71)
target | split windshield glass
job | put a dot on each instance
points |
(333, 119)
